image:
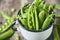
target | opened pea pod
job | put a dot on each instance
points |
(7, 25)
(48, 21)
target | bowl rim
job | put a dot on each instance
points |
(34, 30)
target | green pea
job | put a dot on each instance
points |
(0, 28)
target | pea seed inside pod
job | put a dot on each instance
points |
(11, 19)
(0, 29)
(5, 24)
(8, 22)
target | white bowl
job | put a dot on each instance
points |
(29, 35)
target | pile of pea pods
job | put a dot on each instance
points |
(36, 16)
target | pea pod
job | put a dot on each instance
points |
(57, 15)
(48, 21)
(6, 34)
(24, 22)
(4, 14)
(33, 21)
(22, 11)
(55, 33)
(29, 21)
(41, 4)
(40, 7)
(51, 6)
(42, 16)
(36, 19)
(6, 25)
(57, 6)
(17, 37)
(29, 17)
(37, 2)
(46, 6)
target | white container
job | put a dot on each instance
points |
(36, 35)
(29, 35)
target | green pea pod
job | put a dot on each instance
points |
(24, 22)
(40, 6)
(46, 6)
(29, 17)
(55, 33)
(4, 14)
(20, 19)
(57, 6)
(22, 11)
(48, 21)
(33, 21)
(6, 34)
(17, 37)
(6, 25)
(42, 16)
(57, 15)
(51, 6)
(36, 19)
(29, 21)
(37, 2)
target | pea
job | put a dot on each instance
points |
(48, 21)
